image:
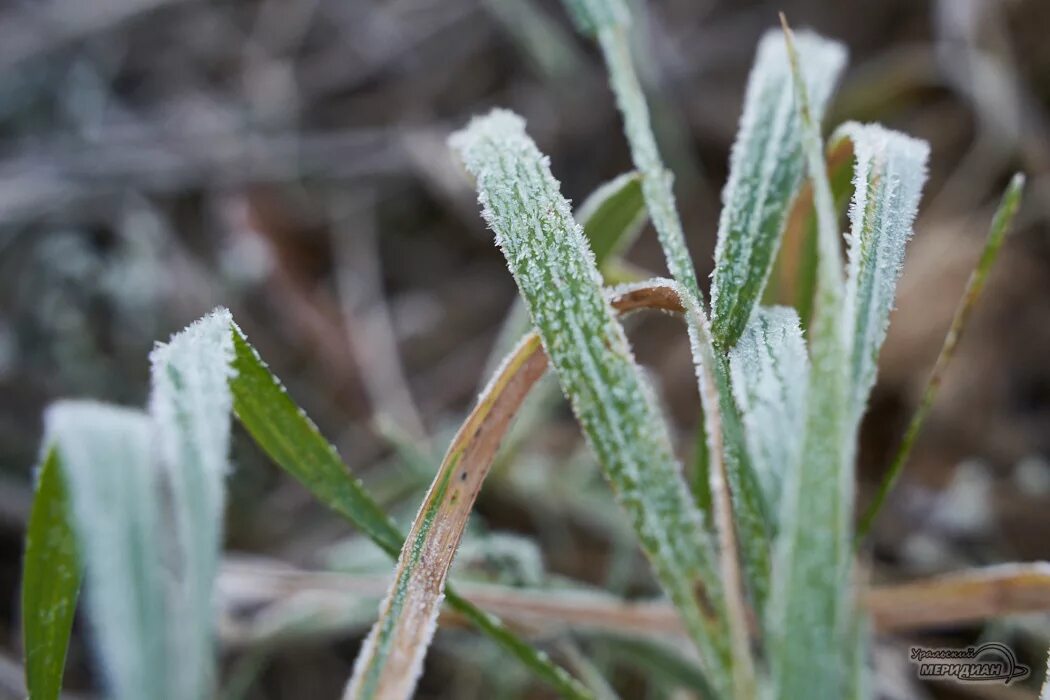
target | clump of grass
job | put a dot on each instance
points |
(134, 499)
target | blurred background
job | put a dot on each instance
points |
(288, 160)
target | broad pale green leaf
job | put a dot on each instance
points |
(50, 582)
(292, 440)
(765, 173)
(770, 371)
(107, 457)
(190, 404)
(558, 279)
(888, 176)
(810, 609)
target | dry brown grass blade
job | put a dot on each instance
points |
(390, 661)
(792, 247)
(962, 597)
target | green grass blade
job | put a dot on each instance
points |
(810, 609)
(607, 21)
(661, 662)
(700, 478)
(50, 582)
(765, 174)
(770, 371)
(560, 283)
(729, 469)
(613, 216)
(293, 441)
(190, 404)
(1004, 216)
(107, 457)
(887, 182)
(536, 661)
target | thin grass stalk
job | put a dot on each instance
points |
(1004, 216)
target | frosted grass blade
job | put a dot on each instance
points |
(765, 173)
(810, 610)
(607, 21)
(190, 404)
(560, 283)
(770, 371)
(888, 176)
(107, 457)
(50, 582)
(612, 217)
(292, 440)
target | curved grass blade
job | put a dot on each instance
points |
(292, 440)
(388, 664)
(765, 174)
(887, 182)
(107, 458)
(50, 582)
(392, 657)
(770, 371)
(1004, 216)
(559, 281)
(190, 404)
